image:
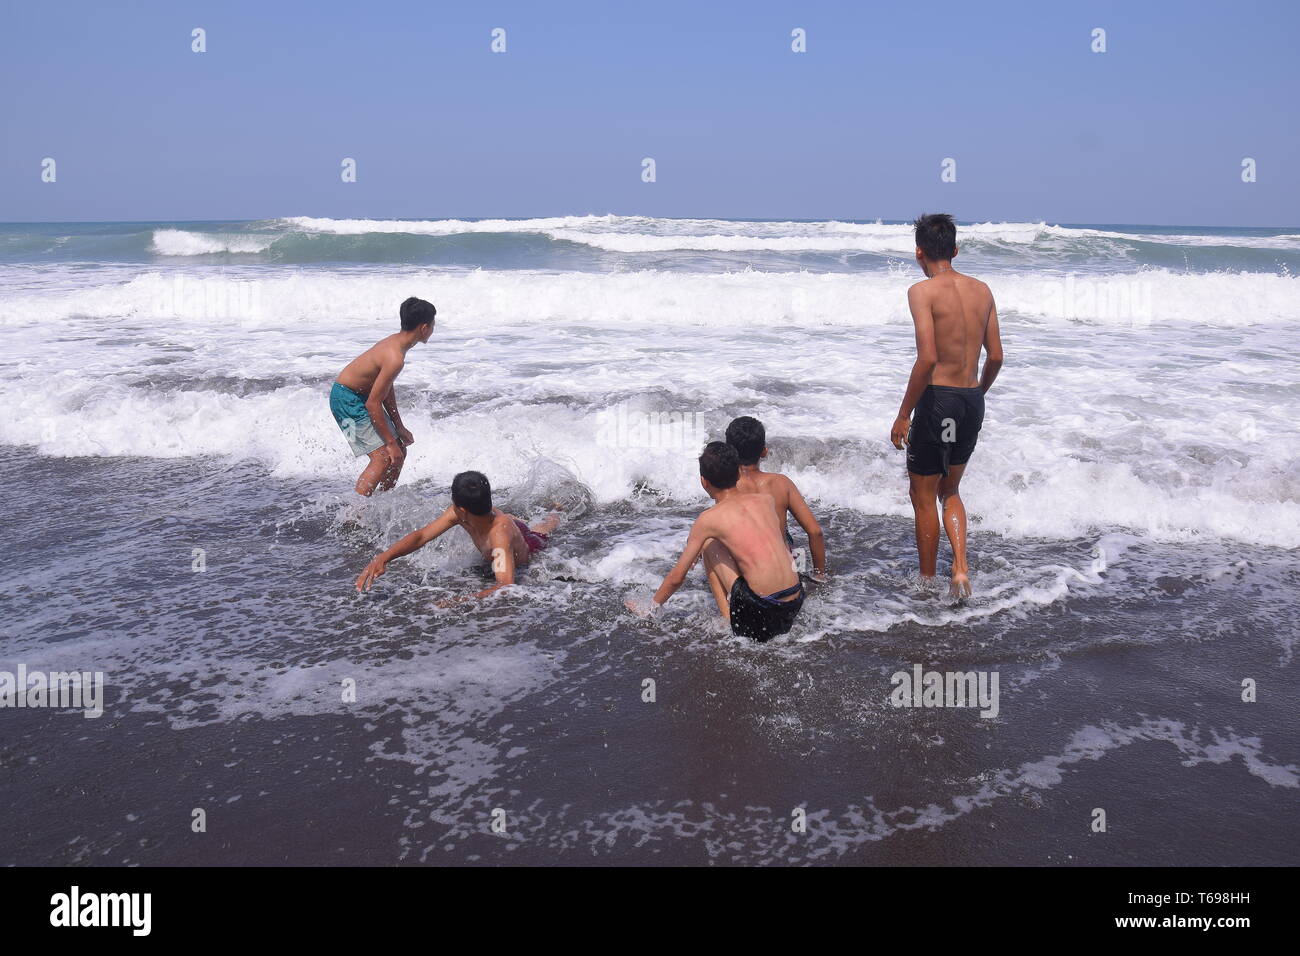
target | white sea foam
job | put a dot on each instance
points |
(1085, 429)
(1155, 400)
(736, 299)
(178, 242)
(634, 234)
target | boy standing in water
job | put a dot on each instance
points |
(745, 557)
(954, 316)
(502, 539)
(748, 436)
(365, 406)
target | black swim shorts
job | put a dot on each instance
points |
(945, 427)
(763, 617)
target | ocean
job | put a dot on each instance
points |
(179, 516)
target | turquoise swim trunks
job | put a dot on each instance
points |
(349, 411)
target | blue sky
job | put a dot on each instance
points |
(1152, 131)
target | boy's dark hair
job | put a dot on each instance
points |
(415, 313)
(470, 490)
(936, 235)
(719, 465)
(748, 437)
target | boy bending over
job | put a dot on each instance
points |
(365, 406)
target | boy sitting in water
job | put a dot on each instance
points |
(745, 557)
(365, 406)
(501, 538)
(749, 438)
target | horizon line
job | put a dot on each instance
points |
(878, 219)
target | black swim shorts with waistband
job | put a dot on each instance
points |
(945, 427)
(763, 616)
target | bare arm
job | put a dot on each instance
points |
(803, 514)
(390, 366)
(694, 545)
(390, 403)
(992, 349)
(927, 356)
(412, 542)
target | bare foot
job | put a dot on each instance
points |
(926, 583)
(960, 586)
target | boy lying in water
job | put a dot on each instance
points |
(745, 555)
(502, 539)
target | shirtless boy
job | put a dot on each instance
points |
(365, 406)
(745, 556)
(502, 539)
(955, 317)
(748, 436)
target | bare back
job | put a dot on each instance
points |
(746, 525)
(960, 307)
(767, 483)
